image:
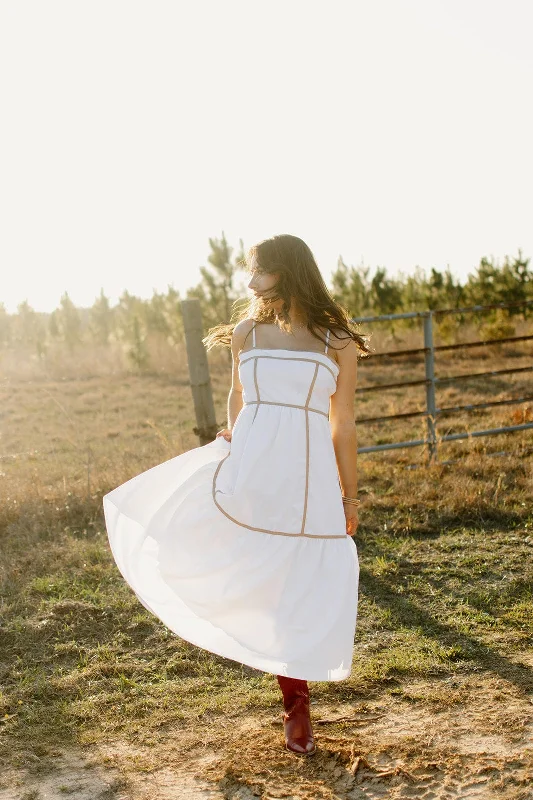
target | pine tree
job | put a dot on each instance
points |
(132, 328)
(30, 328)
(101, 319)
(5, 326)
(351, 286)
(69, 322)
(216, 290)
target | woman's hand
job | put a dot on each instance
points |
(226, 433)
(352, 518)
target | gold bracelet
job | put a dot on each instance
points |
(352, 500)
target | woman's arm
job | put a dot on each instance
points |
(342, 419)
(235, 401)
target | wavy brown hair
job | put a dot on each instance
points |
(299, 278)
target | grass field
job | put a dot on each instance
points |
(99, 700)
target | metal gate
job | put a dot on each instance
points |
(431, 382)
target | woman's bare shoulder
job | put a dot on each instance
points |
(241, 331)
(343, 345)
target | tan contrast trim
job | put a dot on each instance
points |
(256, 388)
(314, 360)
(310, 392)
(263, 530)
(306, 409)
(289, 405)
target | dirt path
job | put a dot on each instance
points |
(474, 743)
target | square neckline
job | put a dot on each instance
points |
(289, 350)
(286, 350)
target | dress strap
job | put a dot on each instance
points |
(253, 334)
(327, 341)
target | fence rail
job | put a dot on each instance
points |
(440, 347)
(431, 412)
(436, 311)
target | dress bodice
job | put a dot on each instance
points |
(280, 474)
(279, 376)
(288, 377)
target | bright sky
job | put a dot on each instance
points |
(392, 133)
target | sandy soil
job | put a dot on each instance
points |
(465, 738)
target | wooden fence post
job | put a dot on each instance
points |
(200, 380)
(429, 360)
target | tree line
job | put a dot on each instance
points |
(132, 321)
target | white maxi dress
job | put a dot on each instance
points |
(240, 547)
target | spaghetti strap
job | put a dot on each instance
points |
(253, 334)
(327, 341)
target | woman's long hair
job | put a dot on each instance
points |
(300, 278)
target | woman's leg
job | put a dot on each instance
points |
(296, 719)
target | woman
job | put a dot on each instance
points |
(241, 546)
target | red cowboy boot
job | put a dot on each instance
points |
(296, 719)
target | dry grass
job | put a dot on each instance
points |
(439, 696)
